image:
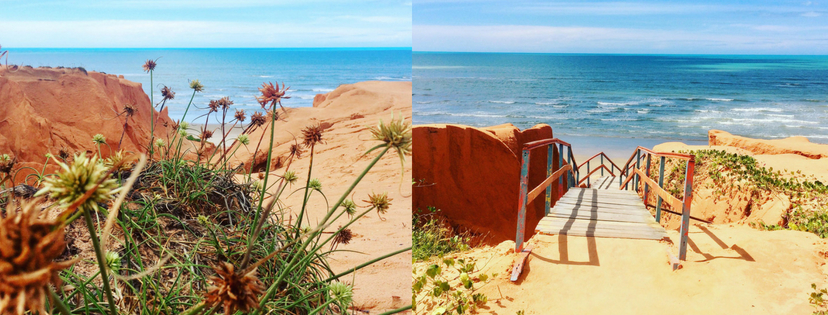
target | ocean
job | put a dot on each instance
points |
(237, 73)
(625, 100)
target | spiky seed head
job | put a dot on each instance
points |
(203, 220)
(98, 139)
(272, 94)
(196, 85)
(29, 245)
(312, 135)
(342, 293)
(296, 150)
(160, 143)
(182, 133)
(7, 163)
(225, 102)
(48, 155)
(115, 160)
(381, 202)
(206, 134)
(244, 139)
(130, 110)
(240, 115)
(63, 153)
(167, 93)
(396, 134)
(257, 119)
(113, 261)
(273, 114)
(79, 177)
(290, 177)
(235, 292)
(213, 105)
(344, 237)
(184, 125)
(149, 65)
(315, 184)
(257, 186)
(349, 206)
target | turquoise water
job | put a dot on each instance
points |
(237, 73)
(604, 97)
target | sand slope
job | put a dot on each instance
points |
(729, 270)
(347, 112)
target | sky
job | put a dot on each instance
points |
(653, 27)
(204, 23)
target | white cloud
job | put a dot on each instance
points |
(145, 33)
(811, 14)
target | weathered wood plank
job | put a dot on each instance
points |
(517, 269)
(636, 203)
(548, 181)
(603, 233)
(666, 196)
(586, 208)
(602, 216)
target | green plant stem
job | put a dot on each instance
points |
(59, 303)
(267, 171)
(101, 260)
(368, 263)
(353, 185)
(152, 119)
(321, 307)
(305, 198)
(399, 310)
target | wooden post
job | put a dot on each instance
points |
(636, 178)
(524, 187)
(560, 164)
(549, 170)
(602, 163)
(646, 188)
(661, 185)
(685, 210)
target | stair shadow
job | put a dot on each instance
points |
(743, 254)
(563, 244)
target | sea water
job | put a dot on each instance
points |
(236, 73)
(626, 100)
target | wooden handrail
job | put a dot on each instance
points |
(674, 202)
(546, 182)
(544, 142)
(593, 171)
(597, 155)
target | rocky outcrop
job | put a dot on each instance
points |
(472, 175)
(46, 110)
(793, 145)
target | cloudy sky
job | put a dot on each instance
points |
(675, 27)
(205, 23)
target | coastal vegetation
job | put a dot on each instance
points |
(182, 230)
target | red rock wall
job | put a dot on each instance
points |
(43, 110)
(473, 176)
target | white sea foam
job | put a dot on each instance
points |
(713, 99)
(502, 102)
(758, 109)
(322, 90)
(617, 104)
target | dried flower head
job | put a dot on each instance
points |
(184, 125)
(98, 139)
(196, 86)
(130, 110)
(63, 153)
(381, 202)
(240, 115)
(342, 293)
(7, 163)
(273, 114)
(29, 244)
(344, 237)
(312, 135)
(160, 143)
(118, 160)
(261, 175)
(213, 105)
(149, 65)
(349, 206)
(77, 179)
(206, 134)
(244, 139)
(272, 94)
(225, 102)
(167, 93)
(257, 119)
(296, 150)
(236, 292)
(396, 134)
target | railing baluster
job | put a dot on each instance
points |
(524, 187)
(646, 188)
(660, 185)
(602, 163)
(685, 209)
(560, 164)
(549, 170)
(636, 178)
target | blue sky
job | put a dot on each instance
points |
(205, 23)
(669, 27)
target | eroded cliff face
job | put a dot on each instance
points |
(472, 175)
(793, 145)
(46, 110)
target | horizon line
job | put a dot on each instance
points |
(148, 48)
(614, 53)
